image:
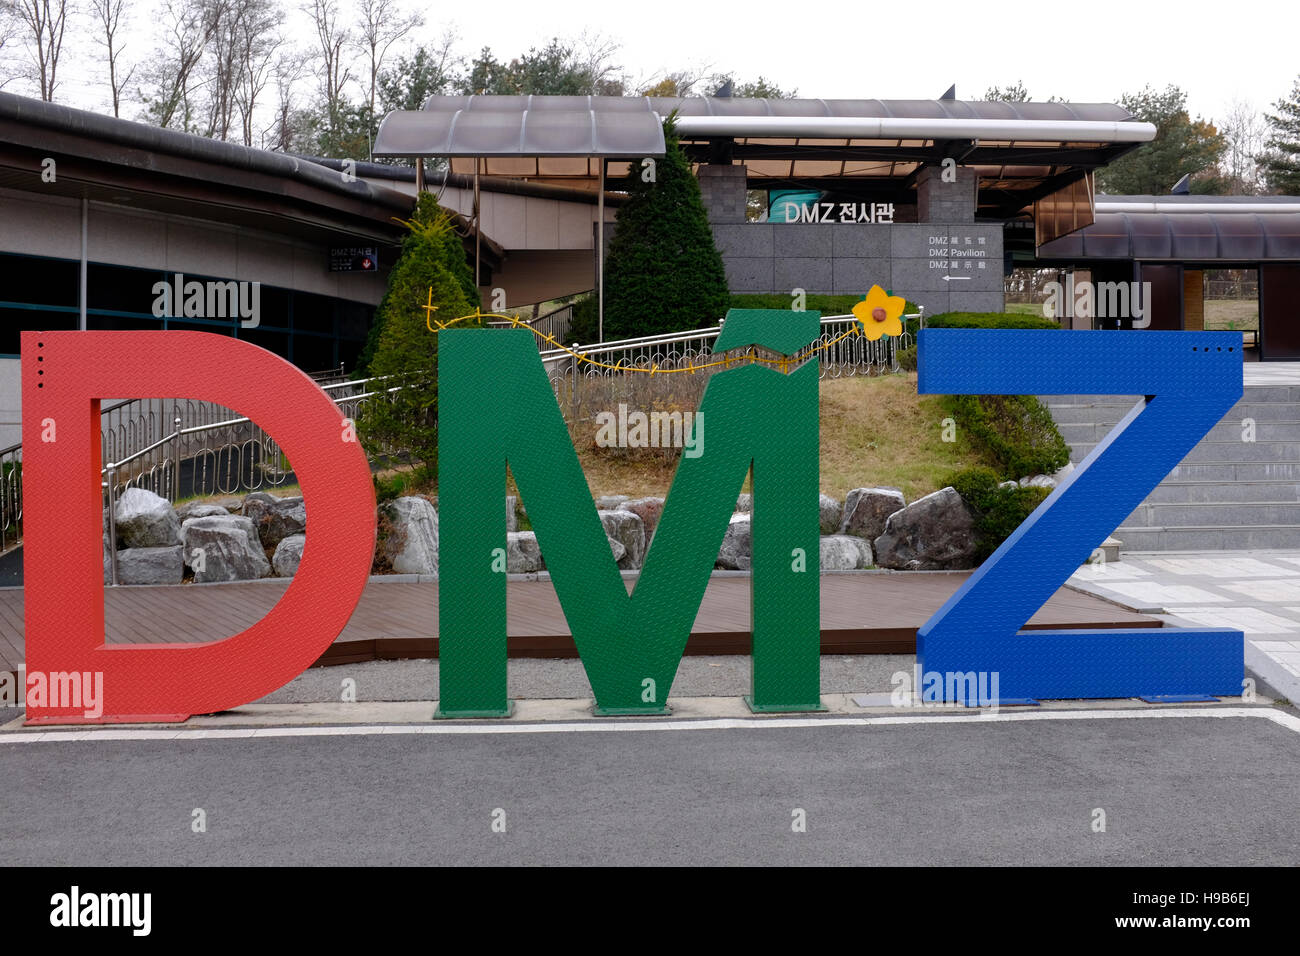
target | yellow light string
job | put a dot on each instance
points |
(784, 361)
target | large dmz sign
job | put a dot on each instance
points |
(761, 418)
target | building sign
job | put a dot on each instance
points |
(354, 259)
(958, 252)
(876, 213)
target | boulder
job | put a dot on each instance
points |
(196, 509)
(230, 546)
(745, 504)
(867, 509)
(523, 556)
(737, 551)
(1038, 481)
(610, 502)
(150, 566)
(933, 533)
(844, 552)
(411, 545)
(832, 513)
(288, 555)
(625, 529)
(145, 520)
(512, 516)
(1063, 472)
(275, 518)
(648, 510)
(1007, 484)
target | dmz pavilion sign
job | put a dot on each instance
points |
(760, 418)
(879, 213)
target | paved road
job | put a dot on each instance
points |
(1191, 790)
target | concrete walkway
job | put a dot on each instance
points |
(1272, 373)
(1256, 591)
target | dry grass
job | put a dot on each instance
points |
(874, 431)
(1237, 314)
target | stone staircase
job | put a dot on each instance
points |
(1227, 494)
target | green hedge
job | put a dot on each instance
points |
(982, 320)
(1014, 433)
(998, 511)
(825, 304)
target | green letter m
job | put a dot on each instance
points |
(497, 409)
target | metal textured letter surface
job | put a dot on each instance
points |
(630, 645)
(1189, 380)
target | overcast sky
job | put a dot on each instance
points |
(1084, 52)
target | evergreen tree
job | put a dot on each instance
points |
(663, 272)
(432, 266)
(1182, 145)
(1282, 160)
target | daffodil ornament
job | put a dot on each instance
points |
(880, 313)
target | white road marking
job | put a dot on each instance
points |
(615, 725)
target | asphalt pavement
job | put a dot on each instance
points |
(1194, 790)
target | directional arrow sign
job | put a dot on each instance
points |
(948, 278)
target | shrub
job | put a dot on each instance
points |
(663, 272)
(907, 359)
(998, 511)
(444, 247)
(1015, 433)
(405, 350)
(983, 320)
(825, 304)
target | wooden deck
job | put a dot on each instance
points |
(874, 613)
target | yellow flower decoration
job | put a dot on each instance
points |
(880, 313)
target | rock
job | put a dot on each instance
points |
(288, 555)
(512, 517)
(231, 550)
(844, 552)
(523, 556)
(1038, 481)
(737, 551)
(197, 510)
(648, 510)
(275, 518)
(617, 549)
(934, 533)
(1007, 484)
(145, 520)
(625, 528)
(108, 563)
(412, 543)
(867, 509)
(610, 502)
(745, 504)
(150, 566)
(1062, 473)
(832, 512)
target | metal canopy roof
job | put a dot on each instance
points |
(1225, 236)
(869, 148)
(524, 126)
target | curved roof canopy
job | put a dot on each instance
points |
(873, 148)
(1225, 236)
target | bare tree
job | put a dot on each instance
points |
(1243, 129)
(382, 24)
(108, 14)
(189, 24)
(287, 128)
(42, 23)
(8, 30)
(334, 70)
(259, 43)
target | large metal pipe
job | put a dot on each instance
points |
(1163, 206)
(867, 127)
